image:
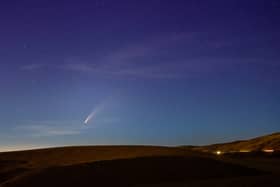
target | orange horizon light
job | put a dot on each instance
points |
(268, 150)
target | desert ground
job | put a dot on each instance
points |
(140, 166)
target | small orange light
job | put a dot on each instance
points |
(244, 151)
(268, 150)
(218, 152)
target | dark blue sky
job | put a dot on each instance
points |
(165, 72)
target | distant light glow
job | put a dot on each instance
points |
(244, 151)
(218, 152)
(268, 150)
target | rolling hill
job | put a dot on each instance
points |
(268, 142)
(142, 166)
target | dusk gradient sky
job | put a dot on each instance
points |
(161, 72)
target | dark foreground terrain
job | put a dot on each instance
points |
(135, 166)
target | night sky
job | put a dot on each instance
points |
(161, 72)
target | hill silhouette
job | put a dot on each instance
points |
(271, 142)
(153, 166)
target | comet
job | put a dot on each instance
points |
(93, 114)
(98, 109)
(90, 117)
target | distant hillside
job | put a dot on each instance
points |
(82, 154)
(271, 141)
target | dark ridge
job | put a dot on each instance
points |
(11, 168)
(10, 174)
